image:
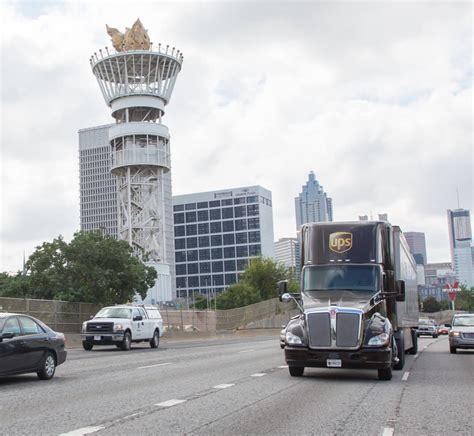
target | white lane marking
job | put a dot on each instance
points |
(415, 356)
(83, 431)
(388, 431)
(282, 366)
(224, 386)
(405, 376)
(170, 403)
(425, 347)
(246, 351)
(154, 366)
(258, 374)
(130, 416)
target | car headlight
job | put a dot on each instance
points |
(379, 340)
(292, 339)
(456, 334)
(118, 327)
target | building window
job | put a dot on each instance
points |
(215, 214)
(203, 228)
(205, 267)
(193, 268)
(252, 210)
(203, 215)
(190, 206)
(180, 244)
(230, 279)
(242, 251)
(206, 281)
(254, 237)
(204, 241)
(180, 256)
(202, 205)
(229, 239)
(239, 200)
(229, 252)
(216, 227)
(229, 265)
(193, 281)
(190, 217)
(216, 240)
(227, 212)
(252, 199)
(240, 225)
(178, 207)
(192, 243)
(216, 253)
(179, 218)
(217, 266)
(204, 254)
(192, 256)
(179, 231)
(241, 238)
(215, 203)
(228, 226)
(181, 269)
(218, 280)
(191, 229)
(254, 250)
(180, 282)
(253, 223)
(227, 202)
(242, 264)
(240, 211)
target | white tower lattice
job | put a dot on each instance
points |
(136, 85)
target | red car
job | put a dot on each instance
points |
(443, 330)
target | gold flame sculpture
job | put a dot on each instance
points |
(135, 38)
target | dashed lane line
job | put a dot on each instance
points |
(388, 431)
(154, 366)
(245, 351)
(258, 374)
(170, 403)
(405, 376)
(224, 386)
(83, 431)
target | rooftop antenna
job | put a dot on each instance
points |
(457, 193)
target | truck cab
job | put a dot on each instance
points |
(358, 299)
(121, 325)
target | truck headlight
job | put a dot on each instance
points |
(118, 327)
(292, 339)
(379, 340)
(84, 327)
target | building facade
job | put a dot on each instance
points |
(312, 204)
(287, 253)
(216, 233)
(417, 243)
(460, 239)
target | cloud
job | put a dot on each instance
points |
(375, 98)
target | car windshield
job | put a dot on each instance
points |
(465, 321)
(341, 277)
(114, 312)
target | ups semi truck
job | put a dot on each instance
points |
(358, 300)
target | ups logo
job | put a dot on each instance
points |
(340, 242)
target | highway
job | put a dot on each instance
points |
(239, 386)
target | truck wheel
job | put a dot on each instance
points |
(296, 371)
(400, 340)
(385, 374)
(87, 346)
(452, 350)
(414, 339)
(155, 341)
(48, 367)
(126, 342)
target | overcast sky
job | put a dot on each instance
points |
(375, 97)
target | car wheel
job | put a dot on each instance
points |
(435, 336)
(296, 371)
(414, 339)
(400, 341)
(48, 367)
(126, 342)
(156, 340)
(452, 350)
(385, 373)
(87, 346)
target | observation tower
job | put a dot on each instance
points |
(137, 79)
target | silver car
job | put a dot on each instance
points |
(427, 327)
(461, 334)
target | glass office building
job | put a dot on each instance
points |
(216, 234)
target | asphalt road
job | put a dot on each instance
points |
(239, 386)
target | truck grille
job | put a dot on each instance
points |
(100, 327)
(341, 332)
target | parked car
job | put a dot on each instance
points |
(28, 345)
(427, 327)
(122, 325)
(443, 329)
(461, 334)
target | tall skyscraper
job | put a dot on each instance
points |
(217, 233)
(312, 204)
(416, 242)
(136, 80)
(460, 238)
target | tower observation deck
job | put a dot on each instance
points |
(137, 80)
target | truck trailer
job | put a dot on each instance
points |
(358, 299)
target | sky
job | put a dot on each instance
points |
(374, 97)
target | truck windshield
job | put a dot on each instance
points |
(341, 278)
(114, 312)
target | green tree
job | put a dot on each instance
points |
(465, 299)
(431, 304)
(238, 295)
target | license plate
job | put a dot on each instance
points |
(97, 338)
(334, 363)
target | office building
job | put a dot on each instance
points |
(287, 253)
(417, 243)
(312, 205)
(460, 239)
(216, 233)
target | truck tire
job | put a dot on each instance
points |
(452, 350)
(414, 339)
(87, 346)
(127, 341)
(400, 340)
(385, 373)
(155, 341)
(296, 371)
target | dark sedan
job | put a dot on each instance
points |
(28, 345)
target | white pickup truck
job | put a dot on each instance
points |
(122, 325)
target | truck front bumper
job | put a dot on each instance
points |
(103, 339)
(369, 358)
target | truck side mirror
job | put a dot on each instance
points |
(282, 288)
(400, 291)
